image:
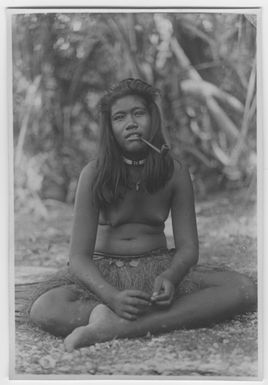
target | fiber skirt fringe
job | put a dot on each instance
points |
(137, 272)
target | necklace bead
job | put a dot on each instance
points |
(134, 163)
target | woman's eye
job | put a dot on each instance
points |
(118, 117)
(139, 112)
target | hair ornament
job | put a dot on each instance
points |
(129, 86)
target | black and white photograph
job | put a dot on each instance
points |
(134, 150)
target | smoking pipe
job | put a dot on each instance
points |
(161, 151)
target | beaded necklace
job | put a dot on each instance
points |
(135, 163)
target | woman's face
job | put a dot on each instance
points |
(130, 120)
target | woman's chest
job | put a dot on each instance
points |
(138, 207)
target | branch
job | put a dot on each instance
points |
(132, 33)
(197, 154)
(215, 110)
(29, 102)
(183, 60)
(92, 46)
(250, 106)
(205, 90)
(187, 24)
(220, 154)
(222, 119)
(121, 36)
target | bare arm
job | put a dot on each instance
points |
(185, 237)
(85, 224)
(184, 226)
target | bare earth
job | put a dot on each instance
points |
(227, 232)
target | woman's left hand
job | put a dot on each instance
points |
(163, 291)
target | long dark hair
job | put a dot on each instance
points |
(111, 178)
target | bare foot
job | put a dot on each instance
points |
(77, 337)
(103, 325)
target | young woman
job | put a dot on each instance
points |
(122, 281)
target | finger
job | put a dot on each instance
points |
(132, 310)
(166, 292)
(168, 287)
(164, 299)
(138, 302)
(161, 297)
(138, 294)
(164, 303)
(157, 286)
(128, 316)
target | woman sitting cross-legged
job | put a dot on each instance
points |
(122, 281)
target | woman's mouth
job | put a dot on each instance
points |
(133, 137)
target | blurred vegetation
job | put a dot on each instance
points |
(204, 65)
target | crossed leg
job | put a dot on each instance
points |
(60, 310)
(222, 295)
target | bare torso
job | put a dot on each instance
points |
(136, 224)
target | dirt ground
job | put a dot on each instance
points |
(227, 233)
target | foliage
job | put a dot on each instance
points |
(204, 65)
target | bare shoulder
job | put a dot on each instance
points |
(181, 179)
(88, 172)
(84, 187)
(86, 179)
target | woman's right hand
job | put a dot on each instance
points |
(130, 304)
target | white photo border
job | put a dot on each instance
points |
(6, 172)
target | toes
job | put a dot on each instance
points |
(68, 345)
(74, 340)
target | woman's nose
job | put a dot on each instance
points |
(131, 124)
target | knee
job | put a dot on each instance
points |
(247, 291)
(47, 313)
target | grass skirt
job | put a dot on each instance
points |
(123, 272)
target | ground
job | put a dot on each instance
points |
(227, 232)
